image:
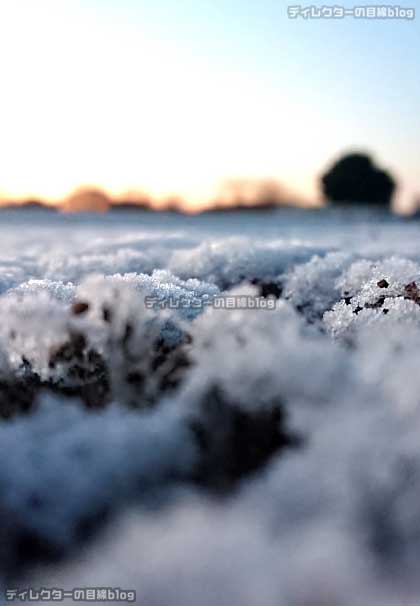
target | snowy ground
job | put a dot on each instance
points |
(205, 456)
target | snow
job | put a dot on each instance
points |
(333, 520)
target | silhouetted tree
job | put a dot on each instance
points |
(355, 178)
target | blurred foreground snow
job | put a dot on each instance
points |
(332, 521)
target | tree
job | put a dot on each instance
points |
(355, 178)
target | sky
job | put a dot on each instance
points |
(174, 96)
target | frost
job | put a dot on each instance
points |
(312, 286)
(372, 290)
(31, 326)
(57, 289)
(234, 260)
(225, 342)
(213, 456)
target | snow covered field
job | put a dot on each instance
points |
(206, 456)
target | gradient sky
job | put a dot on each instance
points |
(173, 96)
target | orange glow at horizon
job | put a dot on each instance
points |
(95, 103)
(90, 101)
(239, 190)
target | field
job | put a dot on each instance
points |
(261, 451)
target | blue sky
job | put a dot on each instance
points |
(174, 97)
